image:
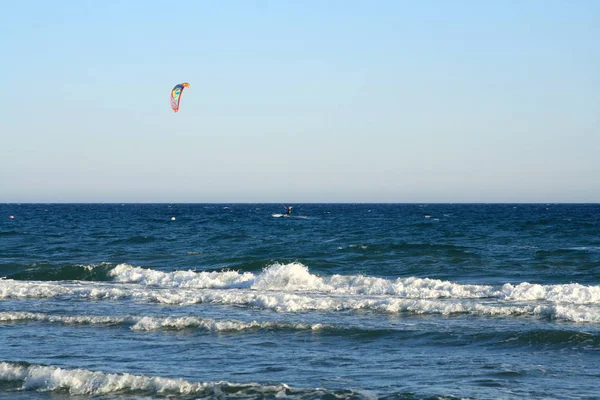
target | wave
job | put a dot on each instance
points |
(167, 323)
(20, 316)
(292, 288)
(591, 340)
(22, 376)
(124, 273)
(557, 338)
(211, 325)
(301, 302)
(295, 277)
(79, 382)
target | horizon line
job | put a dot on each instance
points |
(304, 202)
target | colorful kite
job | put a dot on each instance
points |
(176, 95)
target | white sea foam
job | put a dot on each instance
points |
(573, 293)
(125, 273)
(295, 277)
(95, 383)
(12, 289)
(157, 323)
(286, 302)
(152, 323)
(64, 319)
(292, 288)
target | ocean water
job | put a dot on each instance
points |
(336, 301)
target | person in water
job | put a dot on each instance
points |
(288, 210)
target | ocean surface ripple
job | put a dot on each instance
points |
(336, 301)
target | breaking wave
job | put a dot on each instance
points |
(292, 288)
(21, 316)
(295, 277)
(20, 376)
(543, 337)
(78, 382)
(156, 323)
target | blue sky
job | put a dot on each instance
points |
(300, 101)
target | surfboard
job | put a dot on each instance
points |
(278, 215)
(289, 216)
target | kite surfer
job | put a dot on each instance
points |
(288, 210)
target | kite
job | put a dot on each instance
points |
(176, 95)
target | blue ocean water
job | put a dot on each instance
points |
(336, 301)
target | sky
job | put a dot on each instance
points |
(300, 101)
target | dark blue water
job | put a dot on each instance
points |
(335, 301)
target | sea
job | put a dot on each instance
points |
(334, 301)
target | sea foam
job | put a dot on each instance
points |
(125, 273)
(292, 288)
(147, 323)
(20, 316)
(95, 383)
(295, 277)
(153, 323)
